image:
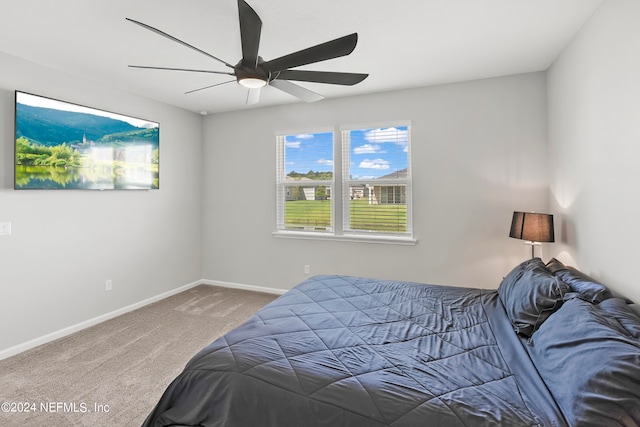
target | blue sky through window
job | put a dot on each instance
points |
(374, 152)
(308, 152)
(378, 152)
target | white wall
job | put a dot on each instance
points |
(594, 133)
(65, 244)
(479, 153)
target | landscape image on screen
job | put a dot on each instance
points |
(60, 145)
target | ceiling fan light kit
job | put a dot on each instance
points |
(253, 72)
(252, 82)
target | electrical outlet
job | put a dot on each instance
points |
(307, 269)
(5, 228)
(108, 285)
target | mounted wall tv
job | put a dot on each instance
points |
(59, 145)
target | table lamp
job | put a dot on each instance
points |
(532, 227)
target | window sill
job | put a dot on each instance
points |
(360, 238)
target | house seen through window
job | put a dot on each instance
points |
(366, 191)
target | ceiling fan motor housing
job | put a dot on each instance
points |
(259, 71)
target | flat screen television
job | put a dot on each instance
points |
(60, 145)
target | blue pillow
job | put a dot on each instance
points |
(590, 362)
(588, 288)
(530, 293)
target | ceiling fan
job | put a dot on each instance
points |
(254, 73)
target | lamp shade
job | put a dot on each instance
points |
(535, 227)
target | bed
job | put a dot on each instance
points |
(549, 347)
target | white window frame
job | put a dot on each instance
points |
(340, 202)
(347, 182)
(282, 184)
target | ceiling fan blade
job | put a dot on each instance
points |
(295, 90)
(250, 29)
(170, 37)
(208, 87)
(332, 49)
(347, 79)
(180, 69)
(253, 97)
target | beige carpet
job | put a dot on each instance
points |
(112, 374)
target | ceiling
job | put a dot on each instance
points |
(402, 44)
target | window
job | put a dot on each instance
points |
(366, 194)
(376, 180)
(305, 182)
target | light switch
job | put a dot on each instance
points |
(5, 228)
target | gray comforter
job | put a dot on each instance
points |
(348, 351)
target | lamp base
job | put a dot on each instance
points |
(533, 246)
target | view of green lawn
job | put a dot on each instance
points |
(364, 216)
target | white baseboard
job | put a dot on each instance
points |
(275, 291)
(12, 351)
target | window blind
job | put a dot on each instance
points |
(377, 180)
(305, 181)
